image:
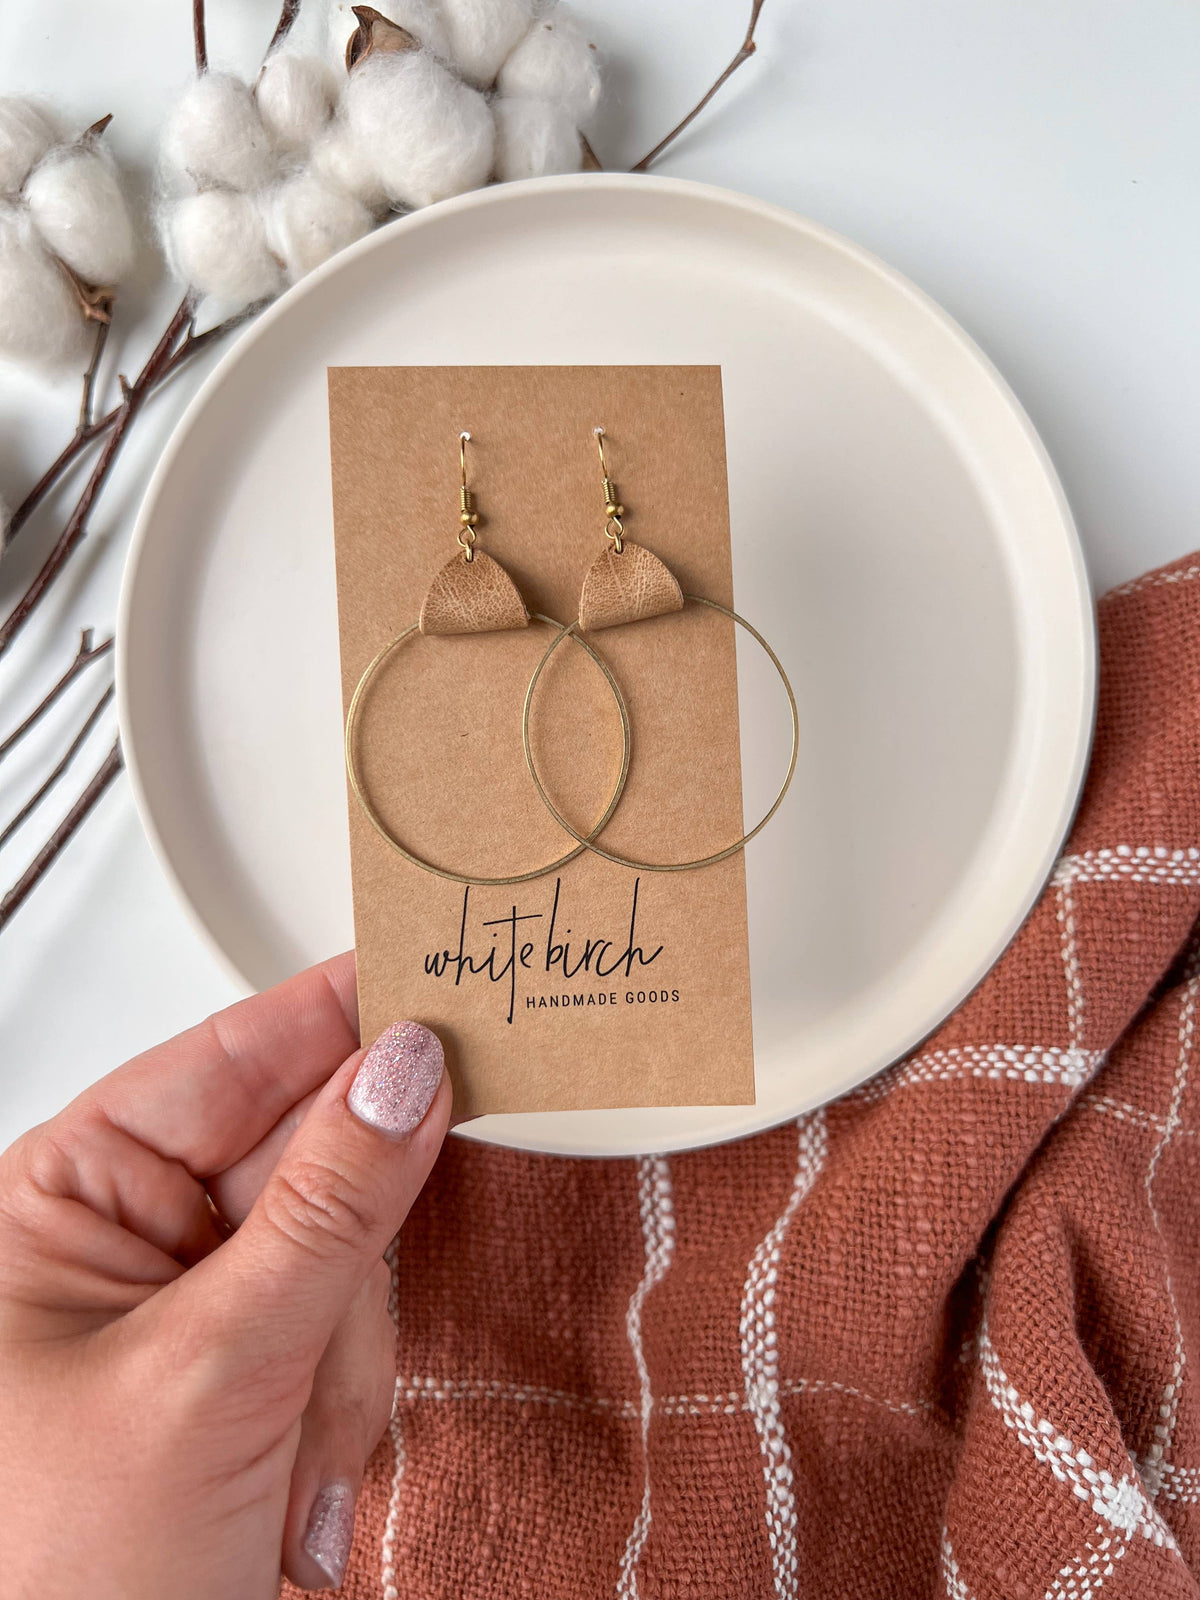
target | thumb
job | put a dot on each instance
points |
(342, 1187)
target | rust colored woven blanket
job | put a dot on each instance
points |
(939, 1338)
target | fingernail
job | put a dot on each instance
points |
(399, 1076)
(331, 1530)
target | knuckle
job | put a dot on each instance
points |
(40, 1162)
(34, 1173)
(320, 1208)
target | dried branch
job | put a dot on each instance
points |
(76, 527)
(288, 15)
(178, 344)
(88, 398)
(73, 749)
(86, 430)
(55, 471)
(84, 656)
(192, 345)
(41, 863)
(195, 342)
(743, 55)
(200, 36)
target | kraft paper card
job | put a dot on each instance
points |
(592, 985)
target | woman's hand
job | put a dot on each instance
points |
(183, 1413)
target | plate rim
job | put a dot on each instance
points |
(503, 194)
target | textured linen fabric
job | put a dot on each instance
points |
(941, 1337)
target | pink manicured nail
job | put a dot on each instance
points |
(330, 1530)
(398, 1078)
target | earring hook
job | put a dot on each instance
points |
(613, 510)
(467, 517)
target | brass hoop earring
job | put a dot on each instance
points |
(642, 586)
(473, 593)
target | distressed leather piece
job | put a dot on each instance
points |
(626, 588)
(475, 596)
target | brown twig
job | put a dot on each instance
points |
(73, 749)
(133, 396)
(743, 55)
(88, 398)
(84, 656)
(86, 430)
(200, 36)
(191, 346)
(194, 343)
(55, 471)
(287, 16)
(178, 344)
(62, 835)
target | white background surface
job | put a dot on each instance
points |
(1033, 166)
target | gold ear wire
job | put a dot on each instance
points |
(639, 587)
(471, 594)
(467, 517)
(613, 510)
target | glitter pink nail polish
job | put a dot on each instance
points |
(330, 1530)
(398, 1078)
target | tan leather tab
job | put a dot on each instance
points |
(626, 588)
(475, 596)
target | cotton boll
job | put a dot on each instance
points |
(424, 21)
(535, 138)
(308, 221)
(216, 135)
(554, 61)
(429, 135)
(483, 32)
(77, 205)
(26, 133)
(295, 97)
(343, 163)
(218, 245)
(40, 318)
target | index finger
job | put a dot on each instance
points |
(209, 1095)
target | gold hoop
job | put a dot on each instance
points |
(661, 866)
(380, 826)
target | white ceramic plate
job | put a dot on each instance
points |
(898, 534)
